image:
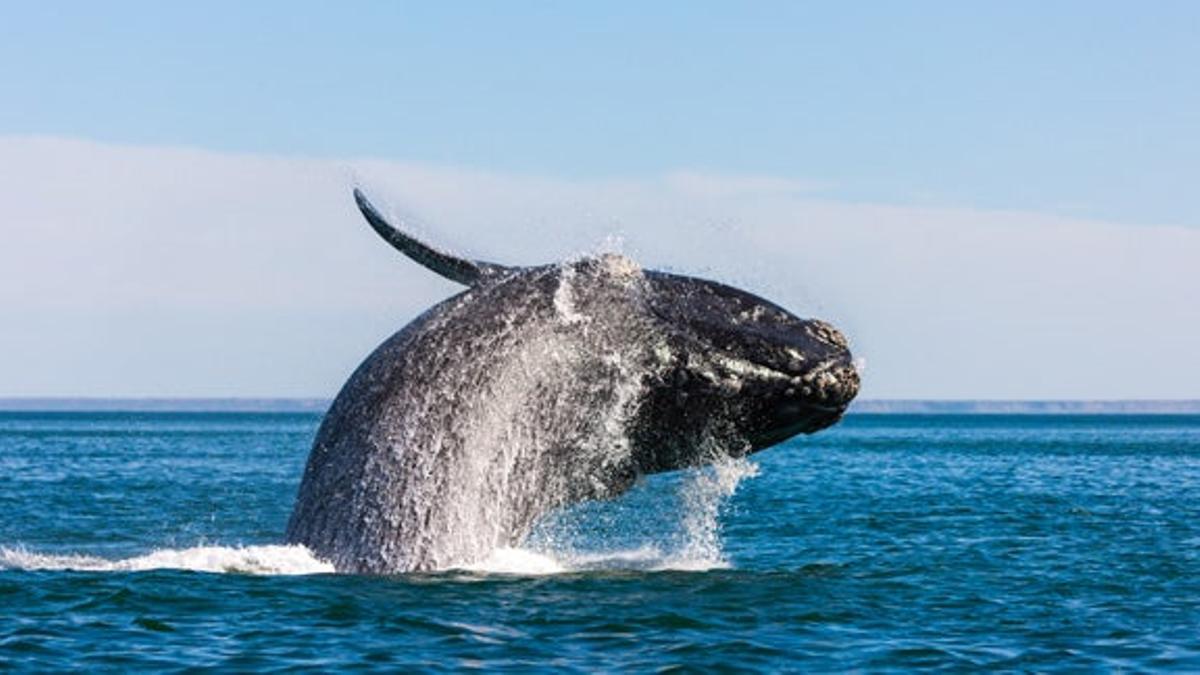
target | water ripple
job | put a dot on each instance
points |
(891, 543)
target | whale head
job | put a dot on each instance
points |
(738, 368)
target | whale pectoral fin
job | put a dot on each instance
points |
(462, 270)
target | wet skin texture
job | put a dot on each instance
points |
(542, 386)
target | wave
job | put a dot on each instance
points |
(527, 562)
(695, 547)
(282, 560)
(265, 560)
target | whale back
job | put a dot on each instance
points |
(495, 406)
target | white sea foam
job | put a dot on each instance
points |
(695, 548)
(564, 297)
(517, 561)
(704, 492)
(296, 560)
(265, 560)
(528, 562)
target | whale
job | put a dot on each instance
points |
(537, 387)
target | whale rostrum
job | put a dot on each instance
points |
(541, 386)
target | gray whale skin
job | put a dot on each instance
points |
(537, 387)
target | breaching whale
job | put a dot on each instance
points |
(541, 386)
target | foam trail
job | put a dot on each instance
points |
(264, 560)
(530, 562)
(517, 561)
(696, 546)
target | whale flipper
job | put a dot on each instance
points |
(464, 271)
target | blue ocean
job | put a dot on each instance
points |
(1024, 542)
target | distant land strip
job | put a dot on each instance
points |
(994, 407)
(877, 406)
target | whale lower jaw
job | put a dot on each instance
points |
(817, 417)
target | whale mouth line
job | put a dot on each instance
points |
(811, 377)
(839, 409)
(742, 366)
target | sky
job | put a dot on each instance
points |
(993, 200)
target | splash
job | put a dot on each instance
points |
(694, 546)
(704, 492)
(564, 297)
(517, 562)
(505, 416)
(526, 562)
(259, 560)
(684, 533)
(597, 537)
(502, 473)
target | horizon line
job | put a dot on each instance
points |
(298, 404)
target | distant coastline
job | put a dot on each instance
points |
(992, 407)
(877, 406)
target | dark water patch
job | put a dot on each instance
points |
(891, 543)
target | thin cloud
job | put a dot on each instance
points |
(172, 271)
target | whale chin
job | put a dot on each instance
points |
(803, 418)
(818, 399)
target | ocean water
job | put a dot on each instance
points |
(889, 542)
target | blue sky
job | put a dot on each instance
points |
(1080, 107)
(1085, 111)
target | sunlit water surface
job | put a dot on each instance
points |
(152, 540)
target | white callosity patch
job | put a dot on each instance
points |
(620, 267)
(743, 368)
(730, 373)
